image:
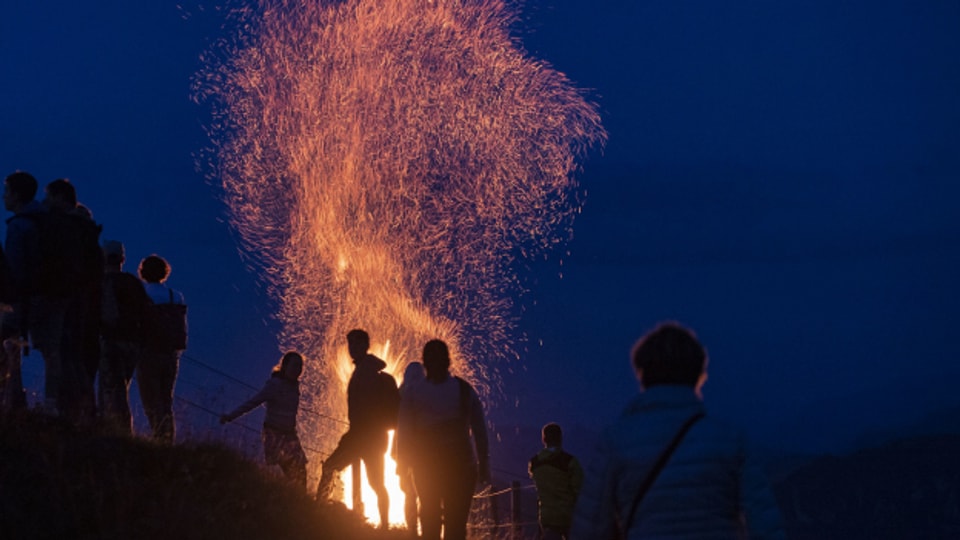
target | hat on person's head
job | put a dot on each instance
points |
(113, 249)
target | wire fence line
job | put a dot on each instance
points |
(190, 359)
(202, 387)
(520, 514)
(208, 367)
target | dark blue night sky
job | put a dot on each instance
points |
(780, 176)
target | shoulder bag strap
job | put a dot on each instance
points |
(657, 467)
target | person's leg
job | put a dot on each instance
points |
(130, 357)
(373, 457)
(457, 497)
(45, 323)
(14, 396)
(292, 460)
(410, 511)
(148, 381)
(296, 471)
(342, 456)
(167, 379)
(111, 389)
(430, 501)
(76, 374)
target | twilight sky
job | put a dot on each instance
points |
(781, 176)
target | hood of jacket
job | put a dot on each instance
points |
(370, 363)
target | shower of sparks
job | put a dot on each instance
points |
(384, 162)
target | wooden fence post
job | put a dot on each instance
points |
(515, 513)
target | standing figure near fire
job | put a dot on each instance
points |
(165, 328)
(281, 394)
(412, 376)
(437, 418)
(558, 478)
(664, 469)
(373, 402)
(122, 307)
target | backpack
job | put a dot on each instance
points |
(389, 397)
(165, 326)
(70, 255)
(559, 459)
(122, 305)
(452, 437)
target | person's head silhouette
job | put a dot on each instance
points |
(670, 354)
(436, 360)
(358, 343)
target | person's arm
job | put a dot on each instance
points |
(576, 476)
(263, 395)
(478, 426)
(22, 251)
(761, 514)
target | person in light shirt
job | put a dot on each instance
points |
(438, 419)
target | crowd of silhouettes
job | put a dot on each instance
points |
(67, 297)
(664, 469)
(440, 445)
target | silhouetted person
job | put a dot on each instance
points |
(122, 308)
(160, 359)
(372, 405)
(412, 376)
(281, 394)
(37, 316)
(558, 478)
(437, 419)
(711, 485)
(12, 395)
(72, 264)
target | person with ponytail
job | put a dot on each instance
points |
(281, 394)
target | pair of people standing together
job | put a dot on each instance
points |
(435, 423)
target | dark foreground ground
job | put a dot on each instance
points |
(904, 489)
(60, 483)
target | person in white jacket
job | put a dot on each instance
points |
(711, 486)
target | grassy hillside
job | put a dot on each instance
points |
(908, 488)
(59, 482)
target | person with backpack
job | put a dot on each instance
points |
(281, 394)
(373, 402)
(665, 469)
(122, 308)
(164, 340)
(558, 478)
(72, 269)
(438, 419)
